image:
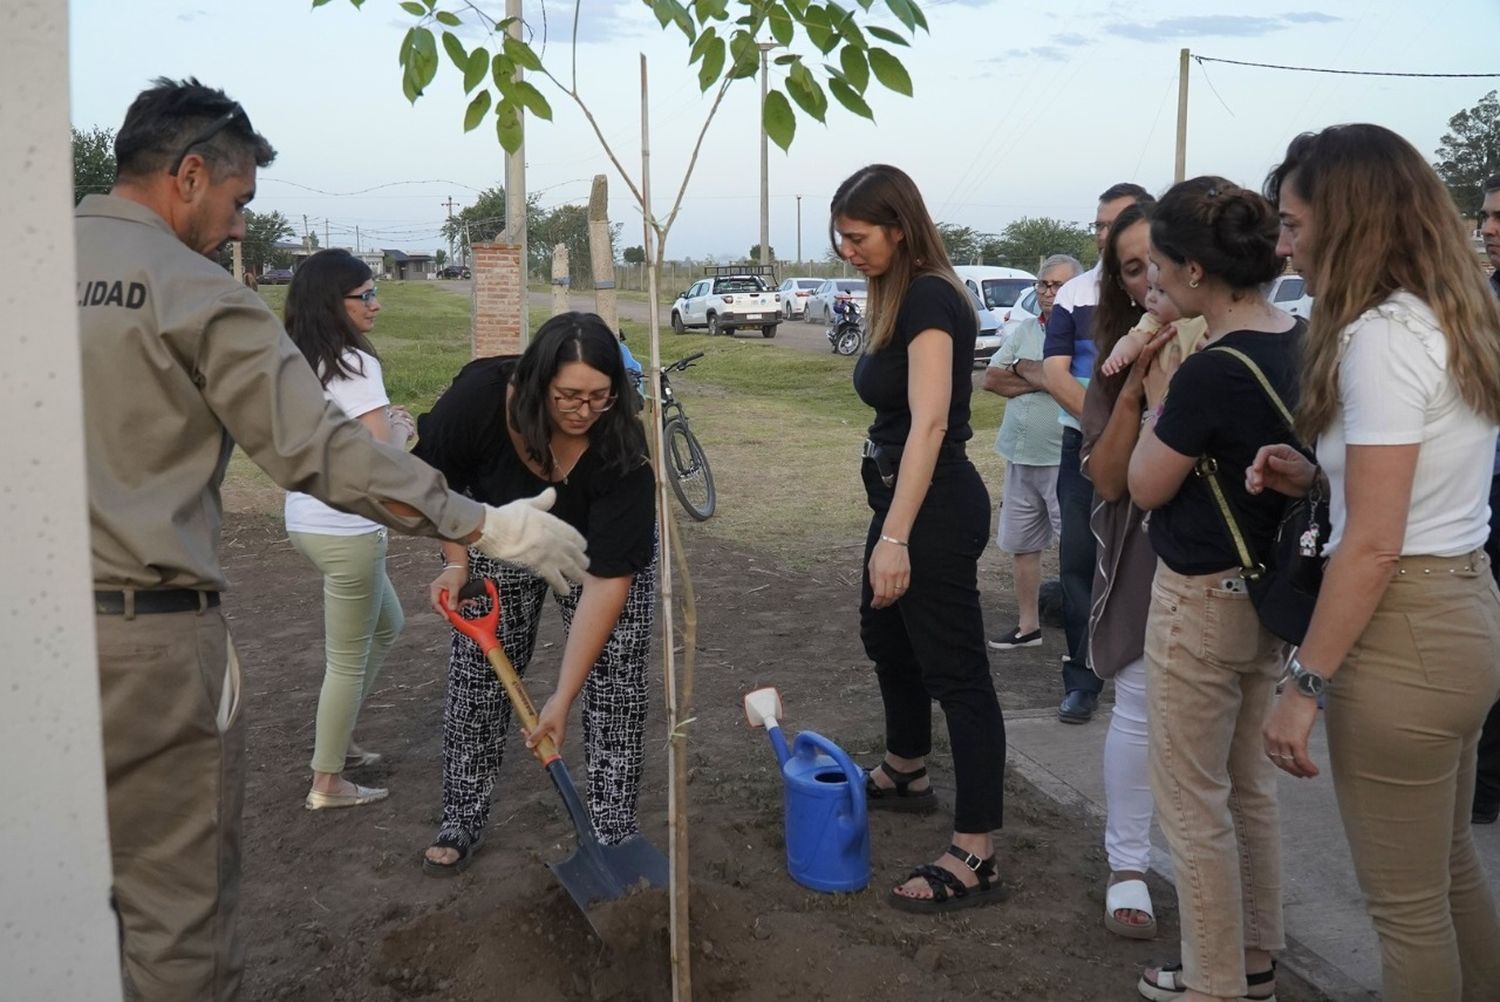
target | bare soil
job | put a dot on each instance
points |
(336, 906)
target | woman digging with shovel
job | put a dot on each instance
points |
(562, 416)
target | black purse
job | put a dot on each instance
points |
(1284, 585)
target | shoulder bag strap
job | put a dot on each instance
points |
(1208, 468)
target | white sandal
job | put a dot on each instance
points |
(1131, 895)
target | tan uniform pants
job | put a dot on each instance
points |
(1211, 671)
(175, 767)
(1404, 714)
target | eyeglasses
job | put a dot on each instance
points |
(367, 297)
(212, 129)
(572, 403)
(1042, 286)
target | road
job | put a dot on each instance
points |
(791, 334)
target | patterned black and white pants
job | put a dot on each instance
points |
(476, 717)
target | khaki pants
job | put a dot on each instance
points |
(1211, 675)
(1404, 714)
(175, 768)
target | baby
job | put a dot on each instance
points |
(1160, 311)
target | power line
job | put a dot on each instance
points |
(1347, 73)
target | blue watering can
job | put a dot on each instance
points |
(827, 831)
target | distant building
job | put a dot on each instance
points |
(402, 266)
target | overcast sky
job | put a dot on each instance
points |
(1020, 108)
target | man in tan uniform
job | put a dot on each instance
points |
(180, 363)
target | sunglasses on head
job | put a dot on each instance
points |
(209, 131)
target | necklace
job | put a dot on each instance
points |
(557, 464)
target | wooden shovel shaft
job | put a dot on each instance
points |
(545, 750)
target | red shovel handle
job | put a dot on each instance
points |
(484, 630)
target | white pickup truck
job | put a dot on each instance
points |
(724, 303)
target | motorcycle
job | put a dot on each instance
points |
(847, 335)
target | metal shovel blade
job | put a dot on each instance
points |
(598, 872)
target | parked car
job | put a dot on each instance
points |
(990, 336)
(795, 293)
(276, 276)
(724, 303)
(1289, 292)
(820, 304)
(999, 288)
(454, 271)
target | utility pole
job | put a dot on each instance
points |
(1180, 170)
(327, 241)
(799, 232)
(515, 182)
(765, 184)
(357, 248)
(306, 234)
(450, 204)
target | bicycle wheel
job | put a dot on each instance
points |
(687, 469)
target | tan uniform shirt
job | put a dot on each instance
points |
(180, 363)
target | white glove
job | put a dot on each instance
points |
(523, 533)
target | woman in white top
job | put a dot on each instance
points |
(1401, 392)
(330, 310)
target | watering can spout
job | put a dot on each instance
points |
(778, 742)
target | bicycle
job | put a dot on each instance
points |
(686, 463)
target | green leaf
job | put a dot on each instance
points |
(779, 119)
(886, 35)
(318, 3)
(715, 10)
(782, 28)
(819, 31)
(414, 9)
(797, 8)
(849, 28)
(713, 64)
(905, 13)
(856, 70)
(663, 11)
(449, 18)
(533, 100)
(522, 54)
(889, 71)
(744, 56)
(403, 54)
(846, 96)
(921, 18)
(455, 50)
(804, 89)
(787, 60)
(503, 71)
(701, 45)
(409, 86)
(424, 59)
(475, 69)
(508, 126)
(478, 108)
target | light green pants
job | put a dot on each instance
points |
(361, 620)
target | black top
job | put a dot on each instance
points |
(465, 437)
(1216, 407)
(931, 303)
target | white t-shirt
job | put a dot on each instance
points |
(1394, 389)
(354, 395)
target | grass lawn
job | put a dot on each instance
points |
(782, 428)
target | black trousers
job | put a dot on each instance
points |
(929, 645)
(1487, 776)
(1075, 559)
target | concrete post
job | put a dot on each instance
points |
(57, 935)
(601, 254)
(560, 279)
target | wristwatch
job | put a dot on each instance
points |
(1306, 681)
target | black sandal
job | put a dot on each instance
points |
(460, 842)
(949, 892)
(901, 797)
(1168, 985)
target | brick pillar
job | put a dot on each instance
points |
(499, 298)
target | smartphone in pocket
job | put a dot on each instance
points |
(1235, 585)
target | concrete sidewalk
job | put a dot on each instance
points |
(1330, 941)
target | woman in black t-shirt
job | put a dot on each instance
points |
(563, 417)
(1211, 666)
(919, 611)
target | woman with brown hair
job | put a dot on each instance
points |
(1211, 665)
(919, 610)
(1401, 391)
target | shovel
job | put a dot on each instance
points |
(594, 872)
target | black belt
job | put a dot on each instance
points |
(887, 458)
(113, 603)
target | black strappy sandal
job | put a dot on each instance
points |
(1168, 985)
(460, 842)
(901, 798)
(948, 891)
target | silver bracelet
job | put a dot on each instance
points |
(892, 539)
(455, 567)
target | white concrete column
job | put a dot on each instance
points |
(57, 935)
